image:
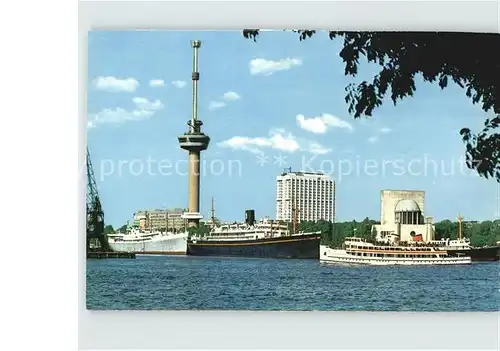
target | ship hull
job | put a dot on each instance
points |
(171, 245)
(338, 256)
(491, 253)
(298, 247)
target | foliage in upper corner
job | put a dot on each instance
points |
(471, 60)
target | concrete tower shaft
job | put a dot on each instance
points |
(194, 141)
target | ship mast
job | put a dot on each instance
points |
(460, 227)
(212, 212)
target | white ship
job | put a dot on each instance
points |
(149, 242)
(359, 251)
(452, 244)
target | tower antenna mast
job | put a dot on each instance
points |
(194, 141)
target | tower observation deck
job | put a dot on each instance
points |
(194, 141)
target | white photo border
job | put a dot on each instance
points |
(305, 330)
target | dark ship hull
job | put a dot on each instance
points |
(303, 247)
(491, 253)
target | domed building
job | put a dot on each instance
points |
(402, 217)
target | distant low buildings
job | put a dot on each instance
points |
(402, 217)
(160, 219)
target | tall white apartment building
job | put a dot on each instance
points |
(312, 193)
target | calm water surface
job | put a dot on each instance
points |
(162, 282)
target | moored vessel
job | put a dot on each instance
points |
(358, 251)
(463, 246)
(149, 242)
(264, 238)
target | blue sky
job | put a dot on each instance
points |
(266, 106)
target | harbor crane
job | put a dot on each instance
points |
(96, 239)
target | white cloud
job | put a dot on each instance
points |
(385, 130)
(320, 124)
(145, 109)
(373, 139)
(179, 84)
(278, 139)
(119, 115)
(113, 84)
(145, 104)
(156, 83)
(214, 105)
(268, 67)
(318, 149)
(278, 131)
(283, 141)
(231, 95)
(246, 143)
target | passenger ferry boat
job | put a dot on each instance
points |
(358, 251)
(149, 242)
(264, 238)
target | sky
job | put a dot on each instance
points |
(266, 106)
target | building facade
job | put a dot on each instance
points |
(161, 219)
(402, 217)
(312, 194)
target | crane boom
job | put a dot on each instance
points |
(95, 214)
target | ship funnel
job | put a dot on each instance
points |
(250, 217)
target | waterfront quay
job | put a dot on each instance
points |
(104, 255)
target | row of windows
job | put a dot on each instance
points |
(369, 254)
(301, 181)
(307, 197)
(305, 194)
(305, 204)
(306, 207)
(307, 211)
(287, 214)
(302, 187)
(310, 216)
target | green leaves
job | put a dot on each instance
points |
(479, 233)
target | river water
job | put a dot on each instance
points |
(203, 283)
